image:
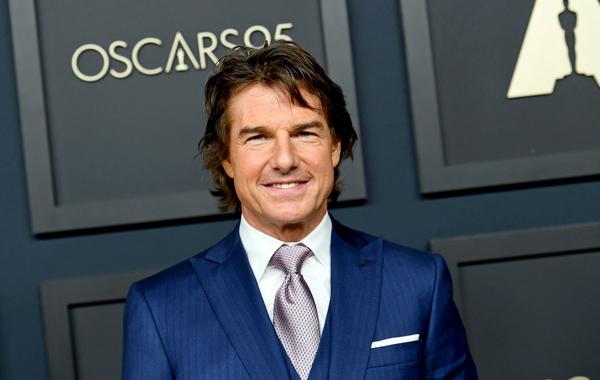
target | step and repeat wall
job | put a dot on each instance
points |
(508, 93)
(111, 99)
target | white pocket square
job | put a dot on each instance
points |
(395, 340)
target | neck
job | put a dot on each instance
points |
(286, 232)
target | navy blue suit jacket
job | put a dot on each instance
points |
(205, 319)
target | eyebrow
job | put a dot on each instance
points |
(295, 129)
(251, 130)
(313, 124)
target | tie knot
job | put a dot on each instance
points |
(289, 258)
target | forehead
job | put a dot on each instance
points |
(262, 105)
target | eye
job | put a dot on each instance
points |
(255, 138)
(307, 134)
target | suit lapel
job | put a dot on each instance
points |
(355, 294)
(232, 291)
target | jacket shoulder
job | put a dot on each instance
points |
(391, 251)
(355, 238)
(411, 263)
(183, 272)
(397, 258)
(165, 278)
(176, 277)
(408, 255)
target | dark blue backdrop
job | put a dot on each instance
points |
(394, 209)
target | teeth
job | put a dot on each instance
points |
(286, 185)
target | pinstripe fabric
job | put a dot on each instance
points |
(181, 309)
(217, 329)
(204, 318)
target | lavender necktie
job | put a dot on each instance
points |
(294, 313)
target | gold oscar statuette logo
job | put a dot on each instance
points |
(562, 42)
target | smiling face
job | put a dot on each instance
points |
(281, 159)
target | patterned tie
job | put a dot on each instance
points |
(294, 313)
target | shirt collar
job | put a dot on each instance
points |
(260, 246)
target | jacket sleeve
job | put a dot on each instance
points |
(144, 356)
(446, 351)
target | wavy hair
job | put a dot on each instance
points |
(282, 65)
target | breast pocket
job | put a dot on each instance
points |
(402, 353)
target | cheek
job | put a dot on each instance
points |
(248, 168)
(324, 168)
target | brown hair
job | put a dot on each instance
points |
(282, 65)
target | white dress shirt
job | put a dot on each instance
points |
(316, 269)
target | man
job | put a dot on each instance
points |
(290, 293)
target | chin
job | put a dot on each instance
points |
(289, 215)
(289, 218)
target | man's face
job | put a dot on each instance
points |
(281, 160)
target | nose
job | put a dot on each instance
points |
(284, 157)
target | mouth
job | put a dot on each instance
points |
(286, 185)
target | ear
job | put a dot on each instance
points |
(227, 167)
(336, 151)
